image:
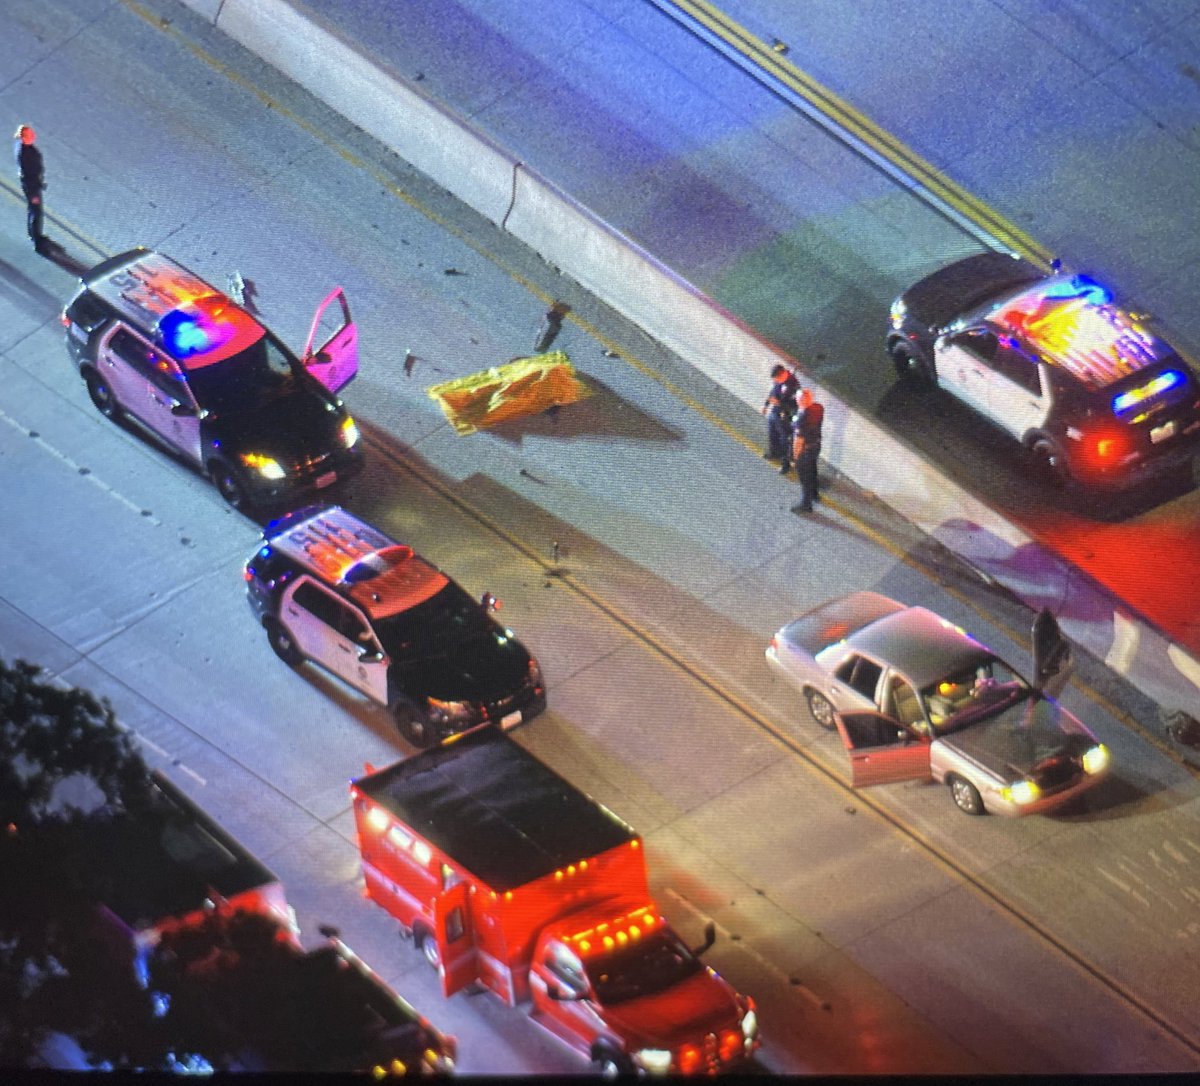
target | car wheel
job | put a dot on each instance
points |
(229, 485)
(430, 950)
(101, 395)
(412, 726)
(281, 641)
(1050, 462)
(819, 706)
(611, 1065)
(912, 368)
(966, 796)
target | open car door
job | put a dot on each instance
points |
(1052, 661)
(882, 750)
(335, 362)
(455, 940)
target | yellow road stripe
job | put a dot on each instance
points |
(845, 116)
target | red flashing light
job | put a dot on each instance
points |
(690, 1060)
(731, 1045)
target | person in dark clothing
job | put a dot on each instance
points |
(806, 448)
(33, 182)
(779, 407)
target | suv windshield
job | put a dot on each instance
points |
(652, 964)
(245, 381)
(433, 626)
(973, 694)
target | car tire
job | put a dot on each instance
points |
(429, 949)
(820, 707)
(101, 395)
(1049, 460)
(611, 1065)
(229, 485)
(911, 368)
(413, 728)
(283, 645)
(966, 796)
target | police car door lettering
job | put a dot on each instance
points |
(956, 373)
(315, 619)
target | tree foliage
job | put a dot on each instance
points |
(49, 734)
(52, 974)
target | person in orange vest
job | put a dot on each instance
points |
(33, 182)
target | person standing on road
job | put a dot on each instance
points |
(806, 448)
(33, 182)
(779, 407)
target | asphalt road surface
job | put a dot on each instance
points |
(640, 547)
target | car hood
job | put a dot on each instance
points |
(483, 668)
(699, 1004)
(1014, 743)
(938, 298)
(287, 428)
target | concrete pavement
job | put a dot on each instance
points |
(526, 111)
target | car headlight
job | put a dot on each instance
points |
(1095, 759)
(349, 432)
(898, 311)
(266, 466)
(449, 711)
(1022, 793)
(750, 1025)
(654, 1061)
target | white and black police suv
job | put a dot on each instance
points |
(1094, 394)
(330, 588)
(158, 345)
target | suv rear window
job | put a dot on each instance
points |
(87, 311)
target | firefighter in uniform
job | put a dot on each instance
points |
(33, 182)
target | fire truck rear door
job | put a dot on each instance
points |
(455, 939)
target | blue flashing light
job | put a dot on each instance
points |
(1080, 286)
(1164, 382)
(183, 333)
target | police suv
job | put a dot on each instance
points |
(1087, 387)
(158, 345)
(329, 588)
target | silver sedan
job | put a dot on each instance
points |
(915, 697)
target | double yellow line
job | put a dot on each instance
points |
(856, 127)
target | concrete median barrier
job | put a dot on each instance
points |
(483, 175)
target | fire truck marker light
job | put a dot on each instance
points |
(377, 819)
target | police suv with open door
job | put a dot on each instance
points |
(158, 345)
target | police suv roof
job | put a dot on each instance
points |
(493, 807)
(382, 576)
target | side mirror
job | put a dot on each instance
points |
(561, 995)
(710, 937)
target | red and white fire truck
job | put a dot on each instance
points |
(509, 877)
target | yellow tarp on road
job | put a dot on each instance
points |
(525, 386)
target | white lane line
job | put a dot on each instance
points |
(79, 469)
(162, 753)
(1126, 635)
